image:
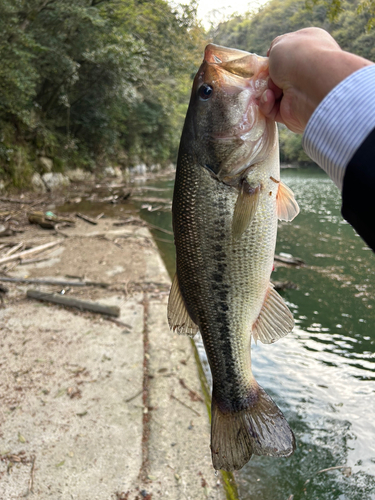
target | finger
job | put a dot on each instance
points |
(269, 106)
(274, 41)
(267, 103)
(278, 92)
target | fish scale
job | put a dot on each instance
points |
(233, 273)
(225, 224)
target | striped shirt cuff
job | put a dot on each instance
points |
(341, 122)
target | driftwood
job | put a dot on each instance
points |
(72, 302)
(41, 220)
(37, 281)
(293, 261)
(12, 200)
(164, 201)
(14, 249)
(21, 255)
(26, 262)
(284, 285)
(46, 220)
(87, 219)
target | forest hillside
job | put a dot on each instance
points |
(93, 83)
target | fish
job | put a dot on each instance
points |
(227, 199)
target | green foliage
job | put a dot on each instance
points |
(255, 32)
(336, 7)
(85, 80)
(291, 147)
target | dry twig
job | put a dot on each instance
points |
(184, 404)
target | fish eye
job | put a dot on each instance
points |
(205, 92)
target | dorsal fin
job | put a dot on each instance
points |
(287, 207)
(274, 320)
(178, 317)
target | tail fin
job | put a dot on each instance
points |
(260, 429)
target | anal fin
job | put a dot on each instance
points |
(287, 207)
(178, 317)
(245, 208)
(275, 319)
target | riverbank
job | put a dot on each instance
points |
(92, 408)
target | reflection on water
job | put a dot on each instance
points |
(322, 375)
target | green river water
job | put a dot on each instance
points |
(322, 375)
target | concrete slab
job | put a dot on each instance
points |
(92, 410)
(71, 411)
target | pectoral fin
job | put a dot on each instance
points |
(178, 317)
(274, 321)
(245, 208)
(287, 207)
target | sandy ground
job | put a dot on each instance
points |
(89, 408)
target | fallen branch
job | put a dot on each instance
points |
(71, 302)
(293, 261)
(133, 397)
(24, 253)
(87, 219)
(11, 200)
(334, 468)
(37, 281)
(26, 262)
(120, 323)
(31, 480)
(14, 249)
(157, 228)
(58, 231)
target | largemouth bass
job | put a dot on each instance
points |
(227, 199)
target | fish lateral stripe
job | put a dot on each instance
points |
(225, 206)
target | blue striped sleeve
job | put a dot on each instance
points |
(341, 122)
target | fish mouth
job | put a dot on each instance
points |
(235, 61)
(237, 69)
(252, 123)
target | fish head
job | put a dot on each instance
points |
(227, 131)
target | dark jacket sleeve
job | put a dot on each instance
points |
(358, 195)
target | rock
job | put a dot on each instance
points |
(118, 172)
(45, 163)
(112, 172)
(140, 169)
(54, 181)
(155, 168)
(79, 175)
(37, 183)
(109, 172)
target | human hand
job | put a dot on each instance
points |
(304, 67)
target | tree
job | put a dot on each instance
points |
(90, 81)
